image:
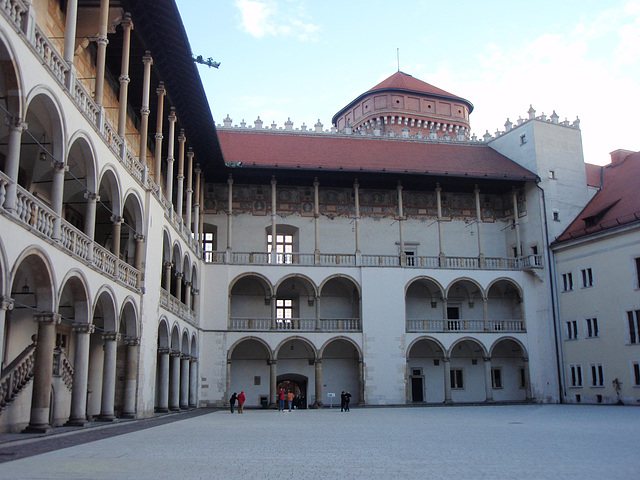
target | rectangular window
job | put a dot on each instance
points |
(208, 246)
(284, 310)
(284, 248)
(637, 260)
(567, 282)
(572, 329)
(575, 372)
(591, 328)
(496, 377)
(636, 374)
(597, 377)
(522, 379)
(556, 216)
(456, 379)
(633, 318)
(411, 259)
(587, 278)
(552, 174)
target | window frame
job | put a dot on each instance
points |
(586, 275)
(575, 375)
(567, 281)
(571, 333)
(454, 373)
(635, 373)
(632, 326)
(497, 378)
(597, 375)
(591, 328)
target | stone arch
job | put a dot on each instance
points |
(33, 270)
(509, 370)
(483, 350)
(132, 225)
(259, 340)
(11, 80)
(464, 280)
(186, 267)
(342, 367)
(194, 346)
(248, 359)
(105, 310)
(42, 143)
(296, 338)
(184, 346)
(342, 276)
(425, 370)
(129, 319)
(165, 271)
(80, 180)
(464, 302)
(108, 206)
(269, 291)
(423, 300)
(176, 269)
(505, 305)
(467, 371)
(250, 298)
(292, 311)
(340, 303)
(3, 270)
(163, 332)
(73, 301)
(433, 340)
(508, 280)
(297, 276)
(175, 337)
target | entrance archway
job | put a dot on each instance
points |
(298, 384)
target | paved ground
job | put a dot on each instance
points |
(486, 442)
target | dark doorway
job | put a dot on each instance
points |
(296, 384)
(417, 389)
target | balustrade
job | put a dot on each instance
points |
(14, 10)
(175, 306)
(465, 325)
(16, 375)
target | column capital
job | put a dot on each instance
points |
(132, 341)
(159, 136)
(181, 176)
(172, 114)
(193, 359)
(272, 362)
(48, 317)
(161, 90)
(92, 197)
(124, 78)
(181, 137)
(168, 264)
(197, 170)
(438, 189)
(163, 350)
(139, 238)
(273, 180)
(102, 39)
(188, 284)
(59, 166)
(175, 353)
(185, 356)
(145, 111)
(179, 274)
(126, 22)
(6, 303)
(16, 123)
(190, 153)
(486, 359)
(147, 59)
(525, 359)
(195, 291)
(171, 159)
(84, 328)
(446, 359)
(111, 336)
(117, 219)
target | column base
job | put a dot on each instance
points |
(162, 410)
(184, 407)
(174, 409)
(107, 418)
(45, 428)
(448, 402)
(192, 406)
(127, 416)
(79, 422)
(489, 400)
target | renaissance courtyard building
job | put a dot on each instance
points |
(150, 261)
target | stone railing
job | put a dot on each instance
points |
(14, 11)
(264, 324)
(85, 103)
(62, 368)
(16, 375)
(172, 304)
(337, 259)
(75, 241)
(340, 324)
(261, 324)
(34, 214)
(468, 325)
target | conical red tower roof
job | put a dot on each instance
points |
(403, 81)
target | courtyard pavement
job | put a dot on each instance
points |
(471, 442)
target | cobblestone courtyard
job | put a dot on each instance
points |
(474, 442)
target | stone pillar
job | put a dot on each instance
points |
(117, 226)
(170, 147)
(12, 162)
(485, 314)
(70, 32)
(180, 193)
(167, 276)
(184, 381)
(57, 195)
(481, 257)
(447, 379)
(196, 206)
(127, 26)
(189, 188)
(230, 214)
(90, 214)
(163, 380)
(318, 313)
(144, 110)
(101, 54)
(109, 376)
(195, 296)
(316, 219)
(440, 241)
(6, 304)
(488, 385)
(187, 294)
(42, 372)
(356, 194)
(139, 258)
(131, 378)
(274, 254)
(174, 381)
(161, 91)
(527, 379)
(403, 254)
(318, 365)
(361, 380)
(201, 208)
(78, 415)
(516, 223)
(273, 382)
(193, 382)
(445, 317)
(273, 313)
(179, 286)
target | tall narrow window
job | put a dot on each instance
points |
(587, 278)
(597, 376)
(567, 282)
(284, 248)
(456, 379)
(591, 327)
(636, 374)
(572, 330)
(637, 260)
(208, 246)
(576, 375)
(633, 318)
(496, 377)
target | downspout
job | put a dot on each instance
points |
(554, 306)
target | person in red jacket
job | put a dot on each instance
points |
(241, 399)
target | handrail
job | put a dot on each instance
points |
(16, 375)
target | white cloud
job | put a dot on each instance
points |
(261, 18)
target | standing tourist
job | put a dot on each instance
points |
(347, 399)
(290, 396)
(241, 399)
(232, 401)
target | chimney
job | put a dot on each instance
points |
(619, 156)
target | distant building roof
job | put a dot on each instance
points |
(368, 154)
(617, 203)
(593, 174)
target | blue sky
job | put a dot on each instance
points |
(307, 59)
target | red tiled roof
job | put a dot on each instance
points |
(402, 81)
(620, 195)
(593, 174)
(356, 153)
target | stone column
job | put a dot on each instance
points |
(187, 294)
(516, 223)
(170, 147)
(127, 26)
(6, 304)
(139, 257)
(403, 254)
(78, 415)
(144, 110)
(201, 208)
(174, 381)
(318, 365)
(189, 198)
(316, 219)
(196, 206)
(42, 372)
(117, 226)
(273, 382)
(101, 54)
(447, 379)
(57, 195)
(230, 214)
(12, 162)
(273, 313)
(109, 376)
(488, 384)
(361, 380)
(131, 378)
(440, 242)
(161, 91)
(481, 257)
(318, 313)
(90, 214)
(70, 32)
(193, 382)
(445, 317)
(167, 276)
(163, 380)
(274, 254)
(195, 296)
(184, 381)
(527, 379)
(485, 314)
(179, 286)
(180, 193)
(356, 194)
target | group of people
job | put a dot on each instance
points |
(293, 401)
(345, 399)
(240, 399)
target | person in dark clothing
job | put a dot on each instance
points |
(347, 399)
(232, 401)
(342, 401)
